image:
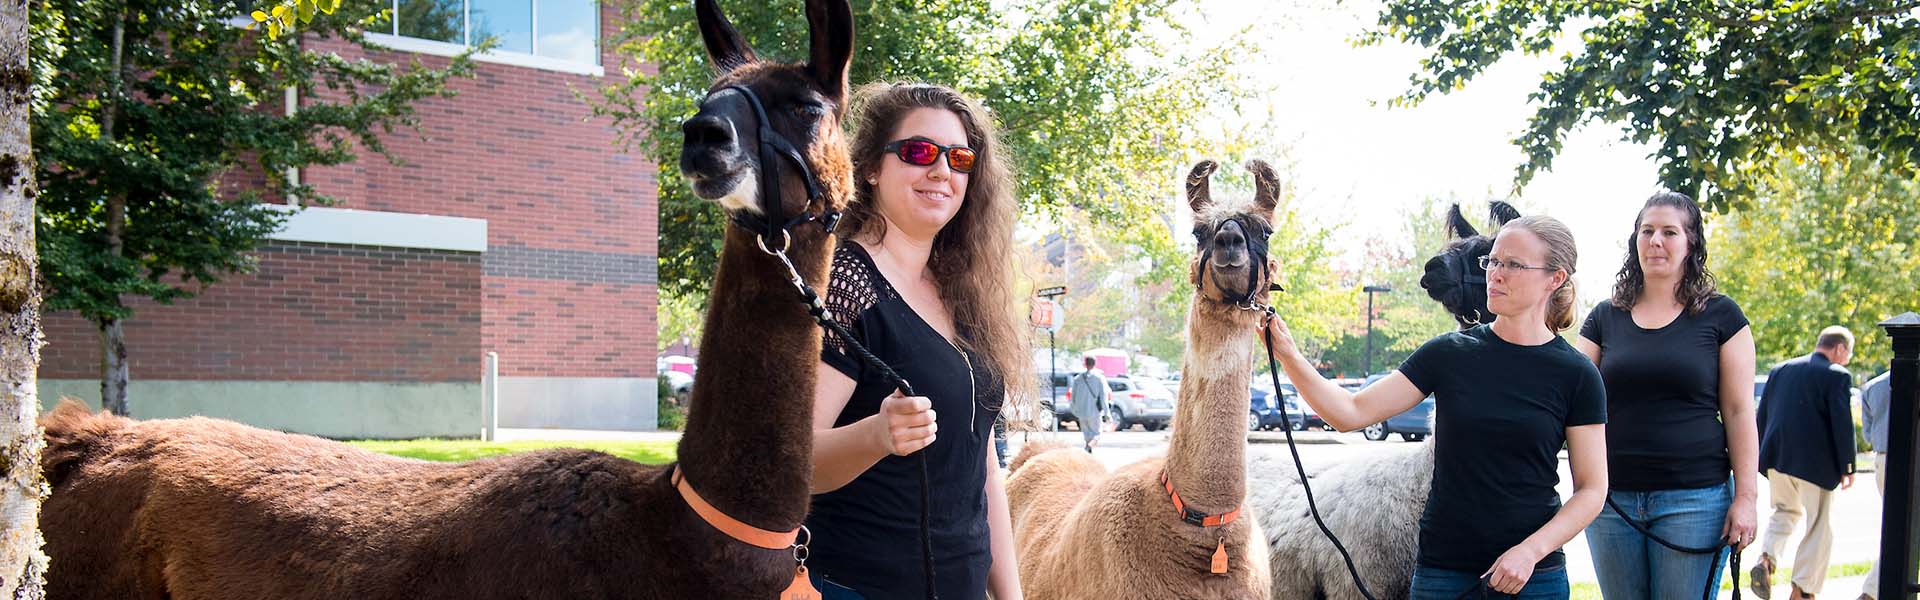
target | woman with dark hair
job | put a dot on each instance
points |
(1508, 394)
(922, 278)
(1677, 358)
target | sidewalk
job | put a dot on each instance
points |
(517, 435)
(1837, 588)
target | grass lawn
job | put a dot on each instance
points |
(649, 452)
(1591, 591)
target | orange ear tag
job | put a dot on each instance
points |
(801, 588)
(1220, 558)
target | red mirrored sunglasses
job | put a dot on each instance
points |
(924, 153)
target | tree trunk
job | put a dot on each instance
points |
(22, 565)
(113, 366)
(113, 341)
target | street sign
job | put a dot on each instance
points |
(1046, 314)
(1058, 290)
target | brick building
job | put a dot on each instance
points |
(516, 226)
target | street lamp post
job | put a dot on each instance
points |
(1371, 290)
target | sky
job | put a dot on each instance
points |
(1360, 167)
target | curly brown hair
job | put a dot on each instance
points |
(1696, 282)
(972, 254)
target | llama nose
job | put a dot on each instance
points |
(1229, 238)
(708, 130)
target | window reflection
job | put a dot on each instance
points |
(568, 30)
(510, 22)
(565, 30)
(437, 20)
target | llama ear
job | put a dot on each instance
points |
(1502, 212)
(725, 46)
(1266, 185)
(1457, 225)
(830, 23)
(1199, 188)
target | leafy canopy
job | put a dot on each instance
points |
(1720, 87)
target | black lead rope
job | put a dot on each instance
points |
(818, 311)
(1273, 369)
(774, 149)
(1733, 559)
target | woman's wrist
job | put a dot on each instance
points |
(879, 437)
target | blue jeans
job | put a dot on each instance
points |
(830, 590)
(1431, 583)
(1634, 567)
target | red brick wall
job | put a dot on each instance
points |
(312, 312)
(572, 223)
(565, 289)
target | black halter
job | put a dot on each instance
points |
(1257, 234)
(1469, 282)
(774, 149)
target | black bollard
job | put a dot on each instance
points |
(1898, 544)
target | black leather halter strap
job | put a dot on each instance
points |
(774, 149)
(1256, 234)
(1464, 265)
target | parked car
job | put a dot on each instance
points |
(1060, 412)
(1139, 400)
(1263, 413)
(1413, 424)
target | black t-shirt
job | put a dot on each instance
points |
(1501, 415)
(1663, 396)
(866, 534)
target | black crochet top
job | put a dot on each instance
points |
(866, 534)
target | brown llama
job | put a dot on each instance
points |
(1374, 502)
(1082, 533)
(193, 509)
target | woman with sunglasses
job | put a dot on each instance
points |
(1683, 454)
(1506, 396)
(922, 278)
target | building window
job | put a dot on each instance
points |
(561, 30)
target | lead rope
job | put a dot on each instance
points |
(818, 310)
(1733, 560)
(1273, 369)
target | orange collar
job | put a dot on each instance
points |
(771, 540)
(1193, 516)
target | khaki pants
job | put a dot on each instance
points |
(1793, 498)
(1872, 587)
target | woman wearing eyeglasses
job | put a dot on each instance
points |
(922, 279)
(1677, 358)
(1506, 396)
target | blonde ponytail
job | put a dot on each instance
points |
(1560, 307)
(1561, 255)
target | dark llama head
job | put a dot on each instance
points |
(1231, 264)
(803, 103)
(1454, 277)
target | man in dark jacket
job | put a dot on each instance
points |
(1806, 450)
